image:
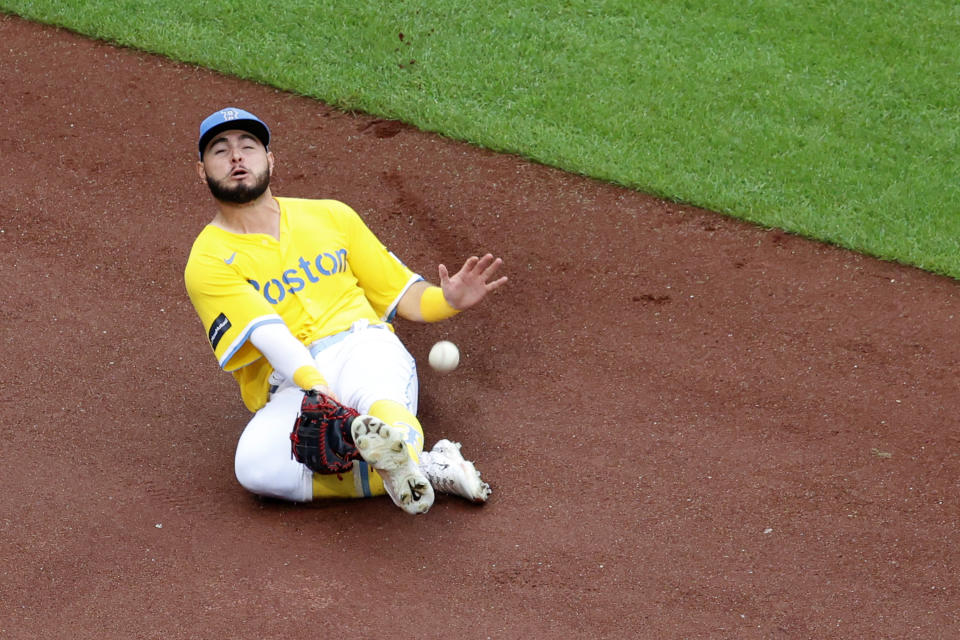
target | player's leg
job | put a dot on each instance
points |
(385, 374)
(361, 481)
(398, 415)
(263, 462)
(264, 465)
(373, 372)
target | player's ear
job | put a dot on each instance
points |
(201, 172)
(270, 161)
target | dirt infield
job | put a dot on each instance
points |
(694, 428)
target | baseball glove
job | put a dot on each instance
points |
(321, 437)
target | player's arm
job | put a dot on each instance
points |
(242, 326)
(424, 302)
(289, 357)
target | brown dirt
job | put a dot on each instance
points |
(695, 428)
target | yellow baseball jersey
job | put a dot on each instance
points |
(327, 271)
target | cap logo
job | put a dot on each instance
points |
(224, 118)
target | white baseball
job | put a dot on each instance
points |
(444, 356)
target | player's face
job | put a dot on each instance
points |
(236, 167)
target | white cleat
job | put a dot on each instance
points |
(384, 449)
(449, 472)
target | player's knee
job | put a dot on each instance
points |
(269, 478)
(250, 476)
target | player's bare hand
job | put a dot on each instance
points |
(473, 282)
(325, 390)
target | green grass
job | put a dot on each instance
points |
(834, 120)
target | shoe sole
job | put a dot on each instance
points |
(478, 491)
(383, 448)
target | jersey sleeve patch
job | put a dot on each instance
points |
(218, 329)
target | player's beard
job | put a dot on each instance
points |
(239, 193)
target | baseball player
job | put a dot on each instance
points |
(298, 298)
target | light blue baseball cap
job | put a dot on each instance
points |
(231, 118)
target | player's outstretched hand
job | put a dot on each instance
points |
(473, 282)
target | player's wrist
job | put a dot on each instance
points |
(308, 377)
(434, 306)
